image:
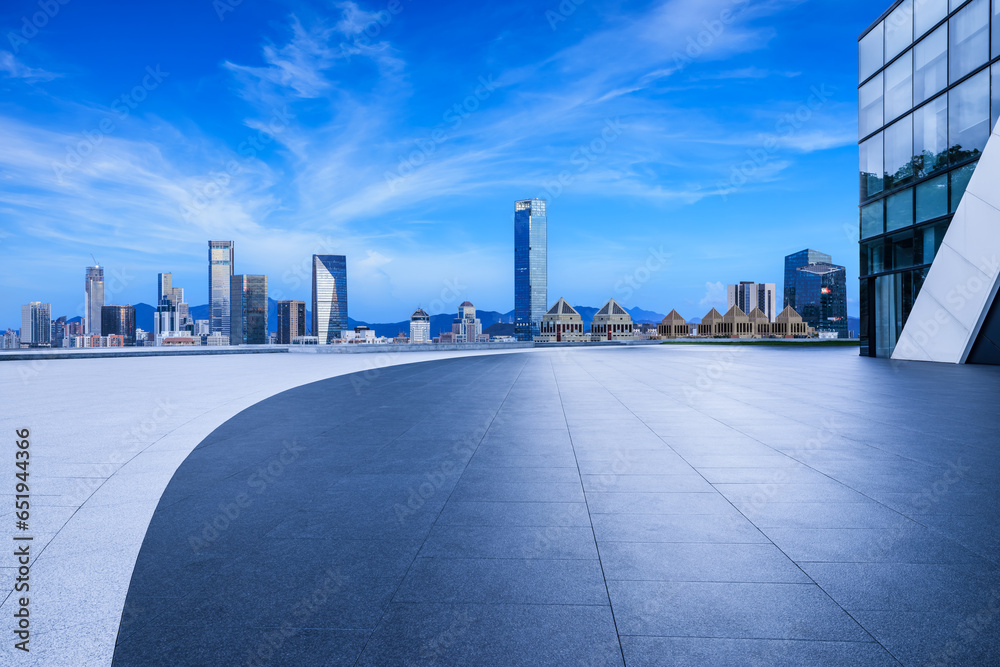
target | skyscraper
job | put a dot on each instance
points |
(220, 275)
(467, 327)
(291, 321)
(530, 267)
(93, 299)
(119, 321)
(792, 263)
(820, 292)
(36, 324)
(929, 100)
(249, 310)
(420, 326)
(748, 295)
(329, 297)
(171, 311)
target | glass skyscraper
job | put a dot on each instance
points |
(119, 321)
(929, 96)
(220, 276)
(36, 324)
(329, 297)
(93, 300)
(248, 321)
(816, 289)
(530, 267)
(291, 321)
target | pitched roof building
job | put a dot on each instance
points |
(612, 322)
(562, 323)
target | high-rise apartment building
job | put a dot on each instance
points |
(329, 297)
(420, 326)
(93, 299)
(36, 324)
(220, 276)
(291, 321)
(467, 328)
(119, 321)
(530, 267)
(172, 313)
(749, 295)
(816, 289)
(248, 319)
(929, 99)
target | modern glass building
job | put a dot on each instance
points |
(93, 299)
(329, 297)
(530, 267)
(220, 276)
(291, 321)
(929, 96)
(119, 321)
(248, 321)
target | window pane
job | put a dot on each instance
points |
(871, 167)
(870, 53)
(870, 103)
(871, 219)
(932, 199)
(960, 181)
(899, 152)
(970, 38)
(871, 257)
(927, 14)
(899, 29)
(902, 250)
(929, 241)
(969, 118)
(930, 65)
(899, 211)
(996, 28)
(995, 88)
(930, 136)
(899, 87)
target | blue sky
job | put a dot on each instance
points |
(720, 133)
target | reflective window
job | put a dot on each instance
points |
(969, 118)
(930, 136)
(899, 152)
(898, 87)
(995, 88)
(996, 28)
(928, 242)
(932, 198)
(871, 257)
(960, 181)
(899, 211)
(872, 223)
(902, 250)
(970, 38)
(871, 167)
(870, 53)
(927, 14)
(870, 103)
(899, 29)
(930, 65)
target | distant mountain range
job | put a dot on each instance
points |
(441, 322)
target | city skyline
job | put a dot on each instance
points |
(669, 180)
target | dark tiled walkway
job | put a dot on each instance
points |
(649, 506)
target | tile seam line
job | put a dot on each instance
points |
(586, 501)
(388, 605)
(806, 574)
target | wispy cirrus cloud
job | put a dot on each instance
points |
(12, 68)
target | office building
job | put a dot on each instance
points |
(612, 322)
(36, 324)
(220, 276)
(420, 326)
(817, 290)
(93, 299)
(119, 321)
(58, 336)
(248, 319)
(291, 321)
(467, 328)
(562, 324)
(329, 297)
(530, 267)
(748, 295)
(172, 313)
(929, 98)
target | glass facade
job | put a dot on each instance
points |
(248, 300)
(93, 300)
(530, 267)
(817, 290)
(926, 106)
(119, 321)
(220, 276)
(329, 297)
(291, 321)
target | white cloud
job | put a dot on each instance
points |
(12, 68)
(715, 296)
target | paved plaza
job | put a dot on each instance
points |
(694, 505)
